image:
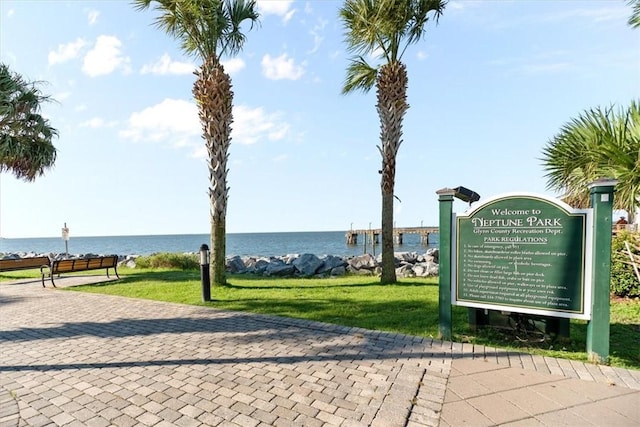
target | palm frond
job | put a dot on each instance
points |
(634, 19)
(599, 143)
(237, 12)
(206, 28)
(359, 18)
(360, 76)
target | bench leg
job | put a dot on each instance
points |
(115, 270)
(42, 273)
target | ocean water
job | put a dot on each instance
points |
(258, 244)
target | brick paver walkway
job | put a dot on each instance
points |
(70, 358)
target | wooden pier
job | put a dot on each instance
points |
(372, 236)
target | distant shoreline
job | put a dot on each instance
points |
(172, 234)
(242, 244)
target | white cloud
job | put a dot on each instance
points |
(65, 52)
(92, 16)
(176, 122)
(233, 65)
(173, 119)
(316, 33)
(281, 158)
(96, 123)
(307, 8)
(10, 13)
(105, 57)
(281, 68)
(277, 7)
(602, 14)
(253, 124)
(165, 65)
(422, 55)
(541, 62)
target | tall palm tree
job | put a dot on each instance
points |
(385, 28)
(26, 147)
(210, 29)
(599, 143)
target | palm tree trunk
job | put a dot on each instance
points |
(218, 269)
(388, 264)
(392, 105)
(213, 93)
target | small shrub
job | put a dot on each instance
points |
(168, 260)
(624, 282)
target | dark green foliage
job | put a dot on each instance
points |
(624, 282)
(169, 260)
(26, 147)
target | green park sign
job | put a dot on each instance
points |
(523, 253)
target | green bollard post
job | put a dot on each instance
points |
(598, 327)
(444, 259)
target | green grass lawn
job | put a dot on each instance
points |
(408, 307)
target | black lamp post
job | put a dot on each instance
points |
(204, 273)
(477, 316)
(466, 195)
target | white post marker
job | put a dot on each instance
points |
(65, 237)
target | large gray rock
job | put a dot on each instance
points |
(407, 256)
(257, 266)
(290, 258)
(330, 262)
(405, 270)
(338, 271)
(360, 272)
(426, 269)
(235, 265)
(307, 264)
(365, 261)
(279, 268)
(435, 253)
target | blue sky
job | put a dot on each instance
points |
(488, 87)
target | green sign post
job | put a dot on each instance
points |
(444, 258)
(598, 327)
(523, 253)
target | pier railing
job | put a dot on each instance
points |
(372, 236)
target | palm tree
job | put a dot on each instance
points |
(25, 136)
(599, 143)
(210, 29)
(386, 28)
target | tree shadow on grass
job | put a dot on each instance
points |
(161, 276)
(409, 316)
(20, 277)
(308, 283)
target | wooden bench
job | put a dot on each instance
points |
(29, 263)
(80, 264)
